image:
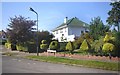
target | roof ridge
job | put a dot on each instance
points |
(71, 20)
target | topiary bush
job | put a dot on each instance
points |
(109, 37)
(54, 45)
(22, 47)
(44, 45)
(8, 45)
(84, 46)
(108, 47)
(70, 47)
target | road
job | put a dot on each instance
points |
(21, 65)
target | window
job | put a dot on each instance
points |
(61, 31)
(56, 32)
(81, 32)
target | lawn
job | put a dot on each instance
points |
(84, 63)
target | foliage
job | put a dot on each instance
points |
(54, 45)
(117, 44)
(70, 47)
(109, 37)
(97, 28)
(22, 47)
(8, 45)
(2, 41)
(20, 30)
(63, 45)
(85, 46)
(44, 45)
(108, 47)
(79, 41)
(76, 45)
(44, 42)
(114, 15)
(97, 45)
(43, 35)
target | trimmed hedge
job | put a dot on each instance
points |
(8, 45)
(84, 46)
(70, 47)
(108, 47)
(44, 45)
(22, 47)
(54, 45)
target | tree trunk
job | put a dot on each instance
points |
(110, 56)
(118, 27)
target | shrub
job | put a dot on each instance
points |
(2, 42)
(108, 47)
(44, 46)
(97, 45)
(8, 45)
(62, 45)
(76, 45)
(109, 37)
(22, 47)
(70, 47)
(32, 48)
(43, 41)
(85, 46)
(54, 45)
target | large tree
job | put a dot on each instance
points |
(114, 15)
(97, 28)
(20, 30)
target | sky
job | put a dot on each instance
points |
(52, 14)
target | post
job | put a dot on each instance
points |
(37, 36)
(37, 30)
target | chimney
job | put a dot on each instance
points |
(65, 19)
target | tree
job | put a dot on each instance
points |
(70, 47)
(20, 30)
(117, 44)
(114, 15)
(97, 28)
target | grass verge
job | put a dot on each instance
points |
(86, 63)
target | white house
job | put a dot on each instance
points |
(69, 30)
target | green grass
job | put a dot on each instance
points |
(85, 63)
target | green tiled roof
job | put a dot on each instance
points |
(74, 22)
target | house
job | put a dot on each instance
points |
(3, 35)
(69, 30)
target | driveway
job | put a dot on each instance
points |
(20, 65)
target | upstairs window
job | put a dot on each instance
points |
(61, 31)
(56, 32)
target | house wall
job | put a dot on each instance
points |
(68, 32)
(63, 32)
(76, 31)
